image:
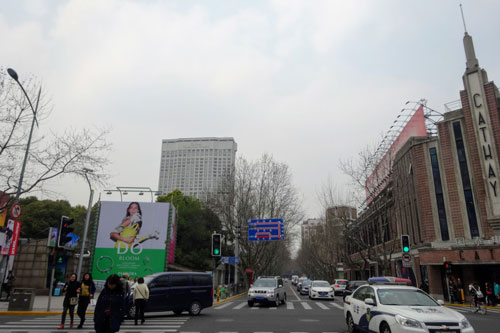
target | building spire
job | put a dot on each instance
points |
(472, 63)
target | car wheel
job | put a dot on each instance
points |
(250, 303)
(350, 324)
(384, 328)
(178, 312)
(131, 312)
(195, 308)
(277, 302)
(284, 299)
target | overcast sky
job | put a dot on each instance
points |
(310, 82)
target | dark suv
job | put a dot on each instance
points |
(177, 292)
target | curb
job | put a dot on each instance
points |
(229, 298)
(34, 313)
(467, 305)
(53, 313)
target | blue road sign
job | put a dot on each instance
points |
(230, 260)
(266, 230)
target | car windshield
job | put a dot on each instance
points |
(306, 283)
(405, 297)
(265, 283)
(322, 284)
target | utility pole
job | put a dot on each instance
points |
(236, 254)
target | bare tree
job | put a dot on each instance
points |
(258, 190)
(50, 156)
(371, 239)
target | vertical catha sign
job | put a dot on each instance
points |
(130, 239)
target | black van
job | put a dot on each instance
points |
(177, 292)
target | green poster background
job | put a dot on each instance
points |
(107, 262)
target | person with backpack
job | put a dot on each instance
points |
(87, 290)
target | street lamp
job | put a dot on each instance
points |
(87, 219)
(13, 74)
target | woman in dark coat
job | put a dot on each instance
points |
(72, 288)
(87, 290)
(110, 307)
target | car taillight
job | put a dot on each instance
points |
(336, 286)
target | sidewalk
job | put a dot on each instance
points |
(40, 306)
(56, 305)
(462, 305)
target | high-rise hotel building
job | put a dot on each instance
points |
(195, 165)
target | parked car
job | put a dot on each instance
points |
(352, 286)
(304, 287)
(321, 289)
(267, 290)
(339, 286)
(177, 292)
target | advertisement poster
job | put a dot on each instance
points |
(131, 238)
(9, 247)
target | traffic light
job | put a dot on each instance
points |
(405, 243)
(447, 267)
(64, 230)
(216, 245)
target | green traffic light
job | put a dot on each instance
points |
(216, 251)
(406, 249)
(60, 260)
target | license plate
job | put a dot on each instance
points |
(259, 297)
(322, 294)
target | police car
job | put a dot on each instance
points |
(390, 304)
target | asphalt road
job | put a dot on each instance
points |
(234, 316)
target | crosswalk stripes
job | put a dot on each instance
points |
(307, 305)
(51, 323)
(321, 305)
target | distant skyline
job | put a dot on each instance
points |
(310, 82)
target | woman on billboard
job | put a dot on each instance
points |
(127, 233)
(128, 230)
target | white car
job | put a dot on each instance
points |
(396, 308)
(339, 286)
(321, 289)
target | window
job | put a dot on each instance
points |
(161, 282)
(180, 280)
(443, 224)
(464, 172)
(201, 280)
(360, 294)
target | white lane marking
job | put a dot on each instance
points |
(306, 306)
(241, 305)
(298, 298)
(337, 306)
(254, 308)
(223, 305)
(289, 306)
(274, 308)
(323, 306)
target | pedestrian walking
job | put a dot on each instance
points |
(71, 288)
(110, 307)
(126, 284)
(489, 294)
(496, 291)
(87, 290)
(141, 296)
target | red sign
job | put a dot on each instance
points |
(15, 211)
(15, 238)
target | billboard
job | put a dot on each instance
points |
(131, 239)
(266, 230)
(379, 178)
